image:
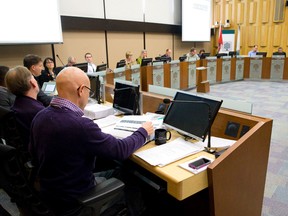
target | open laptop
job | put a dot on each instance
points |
(49, 88)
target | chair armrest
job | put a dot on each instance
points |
(104, 190)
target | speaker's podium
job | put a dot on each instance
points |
(202, 83)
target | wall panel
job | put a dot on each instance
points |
(264, 36)
(277, 33)
(266, 7)
(155, 48)
(240, 13)
(253, 12)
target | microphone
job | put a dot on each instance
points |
(208, 148)
(59, 59)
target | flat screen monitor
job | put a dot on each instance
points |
(49, 88)
(189, 115)
(204, 55)
(146, 61)
(219, 55)
(232, 53)
(182, 58)
(280, 53)
(264, 54)
(127, 98)
(82, 66)
(120, 64)
(164, 59)
(101, 67)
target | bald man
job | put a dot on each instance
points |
(64, 144)
(21, 82)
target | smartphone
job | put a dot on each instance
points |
(199, 163)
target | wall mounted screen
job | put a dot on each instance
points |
(196, 20)
(30, 22)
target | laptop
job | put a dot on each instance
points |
(49, 88)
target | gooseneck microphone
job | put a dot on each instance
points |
(208, 148)
(59, 59)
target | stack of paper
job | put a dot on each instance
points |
(97, 111)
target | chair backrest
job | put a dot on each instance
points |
(14, 182)
(12, 133)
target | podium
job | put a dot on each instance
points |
(202, 83)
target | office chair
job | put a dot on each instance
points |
(14, 182)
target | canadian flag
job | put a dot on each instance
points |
(220, 38)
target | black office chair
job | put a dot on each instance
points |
(14, 182)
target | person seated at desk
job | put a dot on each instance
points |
(91, 66)
(253, 52)
(167, 55)
(143, 55)
(22, 83)
(6, 97)
(64, 153)
(200, 53)
(192, 55)
(129, 60)
(35, 65)
(280, 52)
(48, 74)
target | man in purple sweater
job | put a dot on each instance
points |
(21, 82)
(64, 144)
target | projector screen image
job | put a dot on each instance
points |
(196, 20)
(30, 22)
(189, 115)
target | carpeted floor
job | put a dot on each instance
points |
(269, 99)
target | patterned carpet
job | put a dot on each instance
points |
(269, 99)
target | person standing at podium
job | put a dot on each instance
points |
(253, 52)
(192, 55)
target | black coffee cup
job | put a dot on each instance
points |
(161, 136)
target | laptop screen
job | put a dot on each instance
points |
(49, 87)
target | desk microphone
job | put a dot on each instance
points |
(208, 148)
(59, 59)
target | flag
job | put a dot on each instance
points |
(220, 38)
(238, 41)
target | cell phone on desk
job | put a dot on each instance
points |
(202, 162)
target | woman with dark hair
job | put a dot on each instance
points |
(48, 74)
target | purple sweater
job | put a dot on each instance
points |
(64, 146)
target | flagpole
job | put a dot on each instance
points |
(220, 38)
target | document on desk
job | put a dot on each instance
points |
(169, 152)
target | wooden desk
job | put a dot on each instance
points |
(236, 180)
(180, 182)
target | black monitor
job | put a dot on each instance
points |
(232, 53)
(146, 61)
(165, 59)
(264, 54)
(101, 67)
(279, 53)
(189, 115)
(182, 58)
(120, 64)
(204, 55)
(127, 98)
(219, 55)
(82, 66)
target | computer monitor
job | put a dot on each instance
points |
(189, 115)
(232, 53)
(49, 88)
(164, 59)
(204, 55)
(264, 54)
(182, 58)
(219, 55)
(146, 61)
(120, 64)
(82, 66)
(101, 67)
(127, 98)
(277, 53)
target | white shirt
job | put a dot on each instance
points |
(91, 67)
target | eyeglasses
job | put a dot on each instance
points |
(91, 92)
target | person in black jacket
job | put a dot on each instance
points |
(35, 65)
(49, 73)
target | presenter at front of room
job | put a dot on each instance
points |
(91, 66)
(192, 55)
(254, 51)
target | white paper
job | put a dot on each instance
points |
(170, 152)
(217, 142)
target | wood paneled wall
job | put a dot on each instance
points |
(262, 22)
